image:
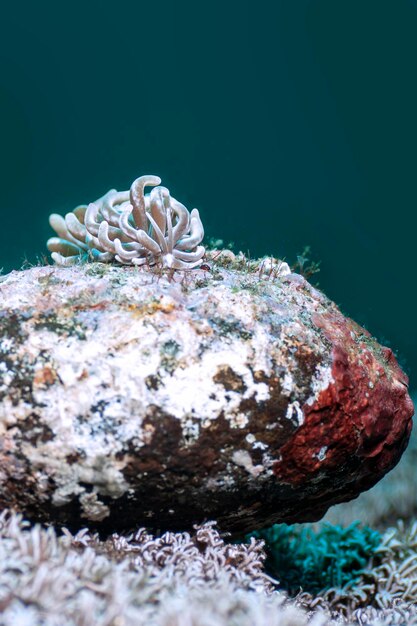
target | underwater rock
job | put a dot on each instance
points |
(135, 397)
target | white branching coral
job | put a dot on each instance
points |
(131, 228)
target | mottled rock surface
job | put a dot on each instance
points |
(130, 397)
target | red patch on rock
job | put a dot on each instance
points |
(359, 425)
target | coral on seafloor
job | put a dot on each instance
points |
(333, 556)
(188, 579)
(131, 228)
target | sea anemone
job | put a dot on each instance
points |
(130, 228)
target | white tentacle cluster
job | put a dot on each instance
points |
(131, 228)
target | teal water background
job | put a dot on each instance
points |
(287, 123)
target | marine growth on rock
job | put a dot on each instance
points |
(129, 396)
(131, 228)
(236, 392)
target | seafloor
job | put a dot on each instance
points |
(49, 578)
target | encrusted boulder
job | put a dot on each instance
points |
(234, 392)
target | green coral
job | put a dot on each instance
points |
(301, 558)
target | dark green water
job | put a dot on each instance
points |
(286, 123)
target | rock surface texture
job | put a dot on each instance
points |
(130, 397)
